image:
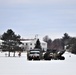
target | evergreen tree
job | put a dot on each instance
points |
(38, 45)
(65, 39)
(72, 45)
(11, 42)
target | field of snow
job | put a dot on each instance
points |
(20, 65)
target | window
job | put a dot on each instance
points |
(30, 43)
(26, 43)
(30, 47)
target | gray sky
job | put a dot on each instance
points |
(42, 17)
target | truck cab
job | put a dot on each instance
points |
(34, 54)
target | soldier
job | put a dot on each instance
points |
(19, 53)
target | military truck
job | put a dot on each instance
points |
(34, 54)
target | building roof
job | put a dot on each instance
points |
(31, 40)
(25, 41)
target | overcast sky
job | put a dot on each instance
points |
(42, 17)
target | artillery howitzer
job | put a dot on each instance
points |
(54, 54)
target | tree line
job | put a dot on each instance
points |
(66, 41)
(11, 42)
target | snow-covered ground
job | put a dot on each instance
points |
(20, 66)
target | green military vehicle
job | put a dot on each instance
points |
(34, 54)
(54, 54)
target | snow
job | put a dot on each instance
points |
(21, 66)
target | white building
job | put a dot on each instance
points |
(30, 44)
(1, 44)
